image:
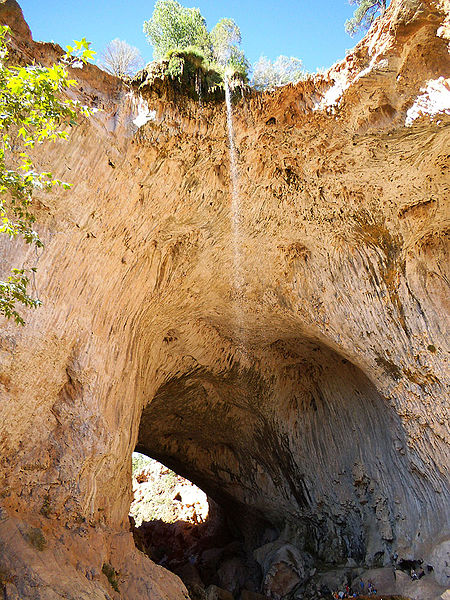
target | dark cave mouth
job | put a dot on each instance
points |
(304, 460)
(175, 523)
(285, 446)
(192, 536)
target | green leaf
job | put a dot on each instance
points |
(34, 108)
(87, 54)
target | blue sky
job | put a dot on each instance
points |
(312, 30)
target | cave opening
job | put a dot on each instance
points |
(180, 528)
(303, 462)
(160, 494)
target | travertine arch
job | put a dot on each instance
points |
(296, 436)
(344, 248)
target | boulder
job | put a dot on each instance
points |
(214, 592)
(424, 588)
(383, 580)
(189, 575)
(284, 568)
(248, 595)
(232, 574)
(335, 579)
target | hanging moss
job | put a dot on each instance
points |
(36, 538)
(189, 73)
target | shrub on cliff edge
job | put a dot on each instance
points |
(364, 15)
(268, 75)
(121, 59)
(176, 31)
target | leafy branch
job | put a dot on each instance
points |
(33, 109)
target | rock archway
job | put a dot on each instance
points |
(312, 399)
(295, 436)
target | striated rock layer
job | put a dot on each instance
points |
(289, 358)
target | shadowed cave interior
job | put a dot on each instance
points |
(298, 451)
(283, 347)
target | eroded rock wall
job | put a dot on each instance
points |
(307, 394)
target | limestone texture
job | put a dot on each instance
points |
(290, 359)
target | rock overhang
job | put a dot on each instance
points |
(314, 396)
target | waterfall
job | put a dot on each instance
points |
(198, 88)
(236, 216)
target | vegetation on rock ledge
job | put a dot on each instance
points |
(185, 73)
(181, 41)
(121, 59)
(111, 575)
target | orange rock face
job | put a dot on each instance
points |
(291, 360)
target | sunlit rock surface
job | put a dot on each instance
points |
(161, 494)
(310, 402)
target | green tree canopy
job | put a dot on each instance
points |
(173, 26)
(283, 70)
(239, 63)
(364, 15)
(225, 39)
(32, 110)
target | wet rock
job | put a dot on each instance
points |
(440, 562)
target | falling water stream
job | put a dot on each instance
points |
(236, 217)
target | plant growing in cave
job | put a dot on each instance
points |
(36, 538)
(364, 15)
(33, 110)
(111, 575)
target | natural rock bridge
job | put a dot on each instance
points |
(311, 400)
